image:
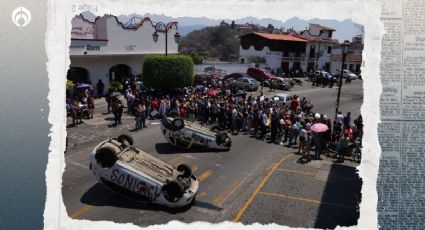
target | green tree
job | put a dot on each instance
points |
(212, 42)
(168, 72)
(196, 58)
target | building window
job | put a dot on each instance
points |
(358, 68)
(329, 49)
(329, 34)
(344, 66)
(351, 67)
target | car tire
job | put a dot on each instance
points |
(187, 171)
(178, 124)
(357, 155)
(221, 137)
(106, 157)
(173, 190)
(125, 139)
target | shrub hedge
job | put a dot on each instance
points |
(168, 72)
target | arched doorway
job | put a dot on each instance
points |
(78, 75)
(119, 72)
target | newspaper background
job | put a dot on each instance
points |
(365, 12)
(400, 185)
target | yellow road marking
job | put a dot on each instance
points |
(317, 202)
(201, 194)
(175, 159)
(251, 198)
(295, 171)
(87, 207)
(229, 190)
(204, 175)
(194, 168)
(80, 211)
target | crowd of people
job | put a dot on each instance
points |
(257, 116)
(80, 105)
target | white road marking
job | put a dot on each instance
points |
(80, 165)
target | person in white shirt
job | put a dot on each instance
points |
(339, 117)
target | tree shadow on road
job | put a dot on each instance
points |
(99, 195)
(341, 198)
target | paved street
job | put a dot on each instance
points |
(253, 182)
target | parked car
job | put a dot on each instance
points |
(189, 135)
(235, 76)
(327, 75)
(348, 74)
(247, 83)
(259, 74)
(280, 83)
(282, 99)
(137, 175)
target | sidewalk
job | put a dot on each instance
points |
(100, 117)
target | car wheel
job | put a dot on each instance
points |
(221, 137)
(185, 169)
(106, 157)
(357, 155)
(173, 190)
(125, 139)
(178, 124)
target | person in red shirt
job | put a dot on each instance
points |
(348, 132)
(182, 111)
(294, 104)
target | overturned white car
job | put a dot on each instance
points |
(138, 175)
(190, 135)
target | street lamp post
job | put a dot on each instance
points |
(163, 28)
(344, 49)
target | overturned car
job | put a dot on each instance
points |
(131, 172)
(190, 135)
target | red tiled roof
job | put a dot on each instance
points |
(281, 37)
(323, 27)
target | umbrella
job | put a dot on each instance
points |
(319, 128)
(212, 92)
(83, 85)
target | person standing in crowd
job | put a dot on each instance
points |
(294, 104)
(308, 143)
(90, 106)
(263, 125)
(347, 120)
(302, 139)
(287, 126)
(108, 99)
(100, 87)
(341, 146)
(294, 133)
(120, 110)
(137, 114)
(317, 138)
(115, 110)
(339, 118)
(358, 122)
(274, 126)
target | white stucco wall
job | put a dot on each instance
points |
(98, 66)
(124, 41)
(273, 58)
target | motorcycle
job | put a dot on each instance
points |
(353, 150)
